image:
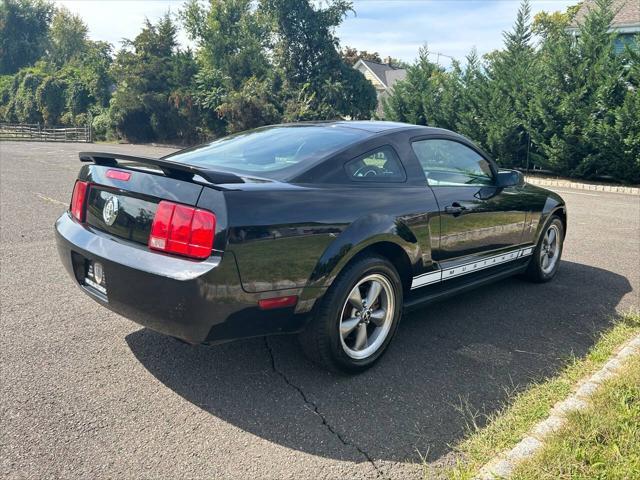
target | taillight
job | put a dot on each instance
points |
(78, 199)
(182, 230)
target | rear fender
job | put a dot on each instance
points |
(361, 234)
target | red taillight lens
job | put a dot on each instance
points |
(182, 230)
(78, 199)
(278, 302)
(118, 175)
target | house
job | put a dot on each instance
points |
(383, 76)
(625, 23)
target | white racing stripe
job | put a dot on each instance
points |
(470, 267)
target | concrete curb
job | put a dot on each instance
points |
(550, 182)
(503, 464)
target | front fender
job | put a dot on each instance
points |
(364, 232)
(554, 204)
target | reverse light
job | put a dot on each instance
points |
(78, 200)
(118, 175)
(278, 302)
(182, 230)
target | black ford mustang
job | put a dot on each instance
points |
(325, 229)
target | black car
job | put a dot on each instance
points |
(327, 229)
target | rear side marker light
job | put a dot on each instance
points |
(278, 302)
(118, 175)
(78, 200)
(182, 230)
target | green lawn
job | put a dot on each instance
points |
(510, 424)
(602, 441)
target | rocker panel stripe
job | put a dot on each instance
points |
(470, 267)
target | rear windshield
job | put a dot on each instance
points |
(268, 151)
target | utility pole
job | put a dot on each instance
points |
(440, 54)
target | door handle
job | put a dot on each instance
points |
(455, 208)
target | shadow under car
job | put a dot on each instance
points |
(463, 354)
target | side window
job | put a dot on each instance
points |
(380, 165)
(450, 163)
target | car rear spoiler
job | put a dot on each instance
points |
(173, 169)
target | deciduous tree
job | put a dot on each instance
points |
(24, 29)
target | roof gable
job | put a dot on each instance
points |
(385, 74)
(627, 13)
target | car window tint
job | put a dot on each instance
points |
(269, 149)
(450, 163)
(380, 165)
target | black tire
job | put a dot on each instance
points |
(535, 271)
(322, 341)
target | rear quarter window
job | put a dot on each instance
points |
(381, 165)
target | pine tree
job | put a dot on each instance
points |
(417, 98)
(582, 102)
(472, 120)
(510, 74)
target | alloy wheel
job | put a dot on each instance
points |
(550, 249)
(367, 316)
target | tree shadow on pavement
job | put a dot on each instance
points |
(448, 360)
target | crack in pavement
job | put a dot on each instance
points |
(317, 411)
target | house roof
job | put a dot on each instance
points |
(387, 74)
(394, 75)
(627, 13)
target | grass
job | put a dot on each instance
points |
(509, 425)
(602, 441)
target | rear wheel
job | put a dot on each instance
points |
(546, 257)
(357, 318)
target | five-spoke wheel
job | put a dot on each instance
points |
(546, 257)
(550, 248)
(366, 316)
(357, 318)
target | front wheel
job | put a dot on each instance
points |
(546, 257)
(357, 317)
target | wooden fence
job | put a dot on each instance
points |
(38, 133)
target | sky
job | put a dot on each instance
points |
(396, 28)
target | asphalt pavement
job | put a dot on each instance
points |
(86, 393)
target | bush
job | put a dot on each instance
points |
(102, 126)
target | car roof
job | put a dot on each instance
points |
(372, 126)
(366, 130)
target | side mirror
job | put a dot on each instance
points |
(509, 178)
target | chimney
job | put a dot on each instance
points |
(387, 60)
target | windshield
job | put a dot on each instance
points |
(263, 151)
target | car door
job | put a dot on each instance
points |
(476, 216)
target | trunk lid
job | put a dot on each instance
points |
(126, 208)
(128, 216)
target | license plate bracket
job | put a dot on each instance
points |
(95, 277)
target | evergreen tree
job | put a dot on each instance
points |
(511, 73)
(473, 91)
(416, 99)
(579, 94)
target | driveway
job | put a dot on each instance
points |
(86, 393)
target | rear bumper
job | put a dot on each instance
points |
(199, 302)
